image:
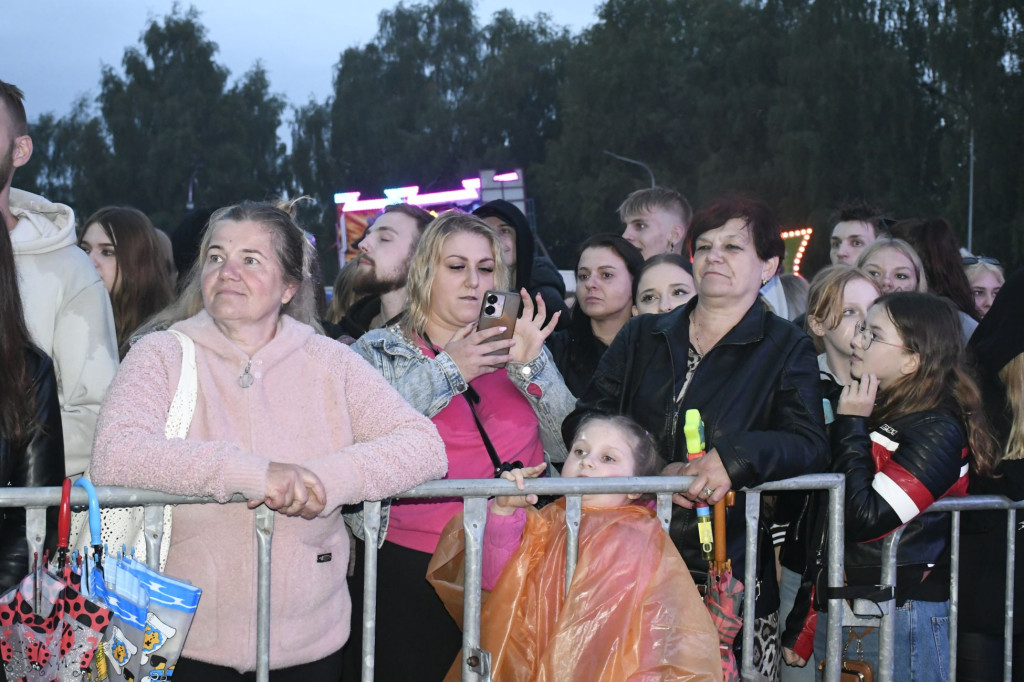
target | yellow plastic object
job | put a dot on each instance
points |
(693, 429)
(632, 611)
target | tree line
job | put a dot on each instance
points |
(804, 104)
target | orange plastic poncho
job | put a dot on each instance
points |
(632, 613)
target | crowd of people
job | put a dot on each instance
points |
(900, 366)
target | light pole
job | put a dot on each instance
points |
(635, 163)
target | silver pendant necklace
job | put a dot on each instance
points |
(246, 378)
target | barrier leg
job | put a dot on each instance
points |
(371, 536)
(753, 515)
(1011, 555)
(264, 535)
(476, 663)
(886, 631)
(573, 510)
(954, 590)
(836, 543)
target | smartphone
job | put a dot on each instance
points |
(500, 309)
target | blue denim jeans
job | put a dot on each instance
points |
(920, 647)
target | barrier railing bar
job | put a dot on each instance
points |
(889, 569)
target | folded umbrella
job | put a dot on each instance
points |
(49, 631)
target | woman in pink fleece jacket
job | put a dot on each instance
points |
(285, 417)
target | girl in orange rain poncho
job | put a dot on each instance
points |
(632, 611)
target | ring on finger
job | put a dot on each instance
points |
(708, 492)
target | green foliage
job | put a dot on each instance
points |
(804, 104)
(166, 114)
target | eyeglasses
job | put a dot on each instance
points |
(974, 260)
(868, 337)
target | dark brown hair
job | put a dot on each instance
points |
(939, 249)
(928, 325)
(11, 99)
(17, 400)
(141, 286)
(765, 232)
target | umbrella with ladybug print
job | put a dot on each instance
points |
(49, 631)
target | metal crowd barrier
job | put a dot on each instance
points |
(955, 506)
(36, 500)
(476, 661)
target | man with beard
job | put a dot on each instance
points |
(385, 252)
(66, 305)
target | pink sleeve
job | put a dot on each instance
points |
(131, 449)
(394, 446)
(502, 536)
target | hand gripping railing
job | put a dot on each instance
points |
(36, 500)
(476, 662)
(955, 505)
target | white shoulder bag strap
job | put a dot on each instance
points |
(126, 526)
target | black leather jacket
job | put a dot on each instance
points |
(39, 462)
(757, 391)
(929, 461)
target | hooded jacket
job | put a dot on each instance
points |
(537, 274)
(68, 314)
(312, 402)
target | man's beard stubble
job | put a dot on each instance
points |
(368, 284)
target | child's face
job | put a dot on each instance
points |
(600, 451)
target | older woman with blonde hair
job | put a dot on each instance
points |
(496, 403)
(284, 417)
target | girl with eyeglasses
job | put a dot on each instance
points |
(908, 427)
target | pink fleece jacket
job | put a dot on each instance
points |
(313, 402)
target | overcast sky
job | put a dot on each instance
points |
(54, 49)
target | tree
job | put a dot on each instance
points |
(168, 113)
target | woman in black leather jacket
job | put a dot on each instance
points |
(31, 439)
(752, 375)
(908, 428)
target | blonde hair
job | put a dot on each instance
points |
(1012, 376)
(294, 253)
(980, 267)
(427, 257)
(825, 298)
(903, 247)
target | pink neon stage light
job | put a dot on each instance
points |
(350, 201)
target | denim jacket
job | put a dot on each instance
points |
(429, 384)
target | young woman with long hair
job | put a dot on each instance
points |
(908, 427)
(606, 268)
(123, 246)
(31, 438)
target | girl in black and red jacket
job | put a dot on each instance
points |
(908, 428)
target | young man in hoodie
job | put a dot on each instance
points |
(537, 274)
(66, 305)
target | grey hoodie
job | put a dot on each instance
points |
(68, 314)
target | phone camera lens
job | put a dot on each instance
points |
(489, 310)
(492, 299)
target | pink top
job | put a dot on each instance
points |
(512, 426)
(313, 402)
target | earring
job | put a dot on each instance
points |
(764, 282)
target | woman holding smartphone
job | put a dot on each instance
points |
(496, 403)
